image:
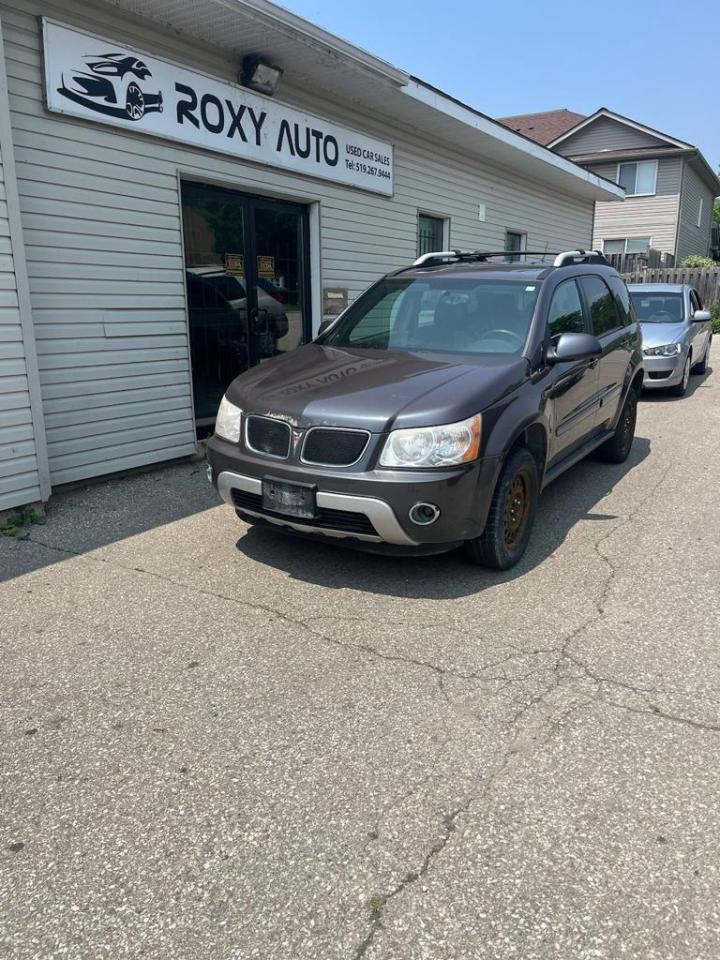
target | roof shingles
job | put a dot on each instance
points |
(543, 127)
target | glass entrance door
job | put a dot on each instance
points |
(246, 271)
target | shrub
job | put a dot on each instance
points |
(715, 310)
(697, 261)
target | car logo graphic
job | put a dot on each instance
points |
(110, 83)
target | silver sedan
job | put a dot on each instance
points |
(677, 333)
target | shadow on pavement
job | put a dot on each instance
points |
(94, 515)
(446, 576)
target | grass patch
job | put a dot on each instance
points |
(17, 523)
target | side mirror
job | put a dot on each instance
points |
(702, 316)
(574, 346)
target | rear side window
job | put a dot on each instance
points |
(565, 314)
(602, 305)
(622, 300)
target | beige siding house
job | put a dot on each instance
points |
(670, 188)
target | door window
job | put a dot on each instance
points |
(247, 283)
(622, 300)
(601, 304)
(565, 314)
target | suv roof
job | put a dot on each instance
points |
(478, 263)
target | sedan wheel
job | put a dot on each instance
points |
(680, 388)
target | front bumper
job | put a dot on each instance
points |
(370, 507)
(661, 372)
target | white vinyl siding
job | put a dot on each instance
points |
(696, 203)
(655, 216)
(102, 226)
(607, 134)
(20, 481)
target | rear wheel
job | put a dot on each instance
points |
(511, 516)
(679, 389)
(617, 448)
(134, 102)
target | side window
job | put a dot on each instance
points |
(622, 300)
(565, 314)
(695, 300)
(602, 305)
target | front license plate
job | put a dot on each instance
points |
(290, 499)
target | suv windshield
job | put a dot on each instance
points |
(658, 307)
(455, 315)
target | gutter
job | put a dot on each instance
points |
(451, 107)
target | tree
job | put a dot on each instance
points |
(716, 212)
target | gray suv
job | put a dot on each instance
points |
(433, 411)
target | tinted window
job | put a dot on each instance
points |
(602, 305)
(622, 300)
(695, 300)
(565, 314)
(439, 314)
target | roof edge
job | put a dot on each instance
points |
(314, 36)
(605, 112)
(439, 100)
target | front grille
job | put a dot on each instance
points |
(270, 437)
(337, 448)
(346, 520)
(659, 374)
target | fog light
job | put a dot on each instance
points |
(424, 514)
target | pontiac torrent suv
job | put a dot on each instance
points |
(433, 411)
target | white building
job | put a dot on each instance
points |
(163, 226)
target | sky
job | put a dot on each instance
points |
(658, 63)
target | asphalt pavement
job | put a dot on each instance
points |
(218, 742)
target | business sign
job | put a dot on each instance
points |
(97, 79)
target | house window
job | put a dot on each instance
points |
(515, 243)
(700, 212)
(638, 179)
(431, 234)
(627, 245)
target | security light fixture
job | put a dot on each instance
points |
(259, 75)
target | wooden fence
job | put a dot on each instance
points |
(706, 280)
(631, 262)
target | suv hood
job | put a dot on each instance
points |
(658, 334)
(372, 389)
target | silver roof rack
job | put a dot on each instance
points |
(437, 256)
(578, 256)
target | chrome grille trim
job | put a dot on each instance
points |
(274, 421)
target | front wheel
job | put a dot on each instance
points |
(617, 448)
(134, 102)
(679, 389)
(702, 366)
(511, 517)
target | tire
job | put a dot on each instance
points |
(617, 448)
(703, 365)
(134, 102)
(508, 530)
(679, 389)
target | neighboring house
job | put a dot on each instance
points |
(670, 187)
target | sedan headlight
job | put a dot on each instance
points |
(227, 424)
(440, 446)
(666, 350)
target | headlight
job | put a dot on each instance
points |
(433, 446)
(227, 424)
(667, 350)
